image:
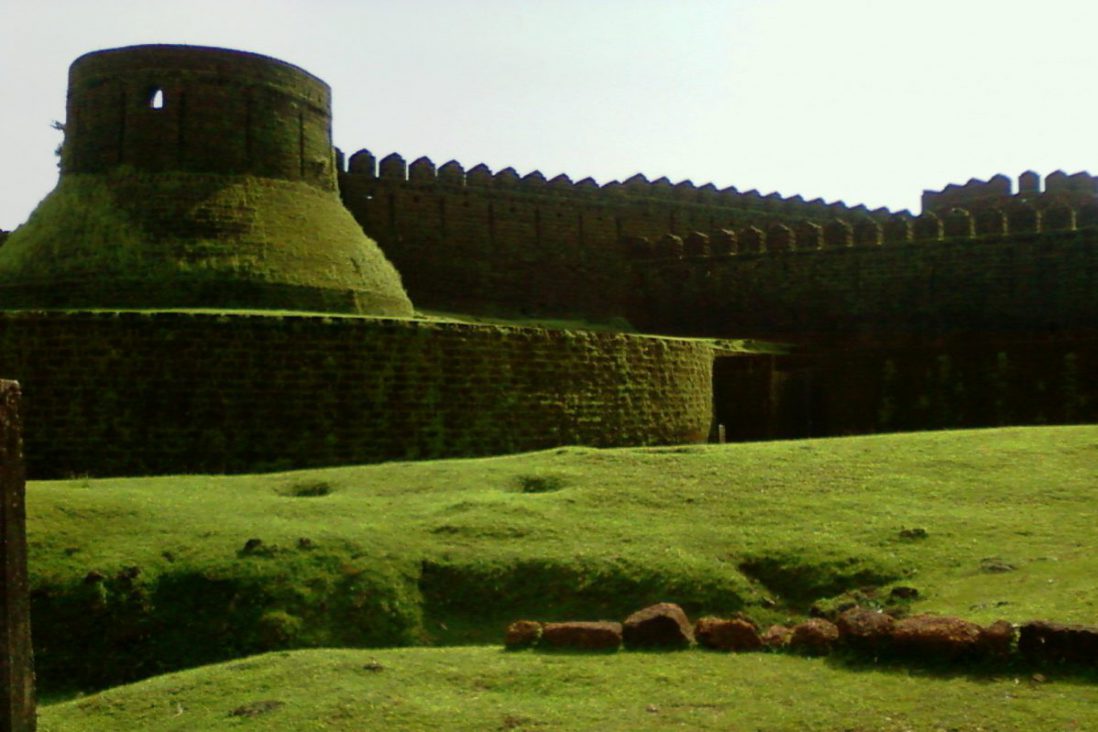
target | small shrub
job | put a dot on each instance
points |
(278, 629)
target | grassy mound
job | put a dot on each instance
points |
(133, 577)
(488, 689)
(171, 240)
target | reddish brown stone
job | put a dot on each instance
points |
(864, 629)
(1042, 641)
(996, 639)
(815, 636)
(588, 636)
(776, 636)
(727, 635)
(658, 626)
(522, 634)
(935, 636)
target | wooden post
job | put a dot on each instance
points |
(17, 703)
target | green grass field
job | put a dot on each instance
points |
(479, 689)
(447, 552)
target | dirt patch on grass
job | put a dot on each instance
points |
(307, 489)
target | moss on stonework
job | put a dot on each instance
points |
(130, 239)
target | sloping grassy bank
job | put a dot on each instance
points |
(479, 689)
(133, 577)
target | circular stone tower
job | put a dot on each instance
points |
(196, 178)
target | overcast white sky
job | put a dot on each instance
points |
(867, 102)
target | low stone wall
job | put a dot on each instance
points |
(925, 638)
(109, 393)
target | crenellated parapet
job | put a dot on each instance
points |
(363, 166)
(479, 239)
(681, 258)
(1019, 269)
(1017, 216)
(1075, 190)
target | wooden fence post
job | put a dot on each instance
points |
(17, 703)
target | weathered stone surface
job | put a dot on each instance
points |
(522, 634)
(996, 640)
(815, 636)
(663, 625)
(582, 635)
(864, 629)
(17, 700)
(1054, 642)
(935, 636)
(776, 636)
(69, 358)
(727, 635)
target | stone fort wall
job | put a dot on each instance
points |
(477, 241)
(1025, 272)
(170, 392)
(684, 259)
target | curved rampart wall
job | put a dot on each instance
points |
(163, 392)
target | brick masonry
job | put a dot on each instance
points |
(162, 392)
(476, 241)
(218, 111)
(983, 286)
(693, 260)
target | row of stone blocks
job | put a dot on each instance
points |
(865, 232)
(422, 170)
(860, 630)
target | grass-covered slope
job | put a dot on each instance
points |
(173, 240)
(447, 552)
(478, 689)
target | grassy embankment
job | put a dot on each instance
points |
(486, 689)
(448, 552)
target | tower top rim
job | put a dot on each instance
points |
(174, 53)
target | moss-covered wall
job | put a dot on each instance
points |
(982, 286)
(132, 393)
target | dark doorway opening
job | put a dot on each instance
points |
(765, 397)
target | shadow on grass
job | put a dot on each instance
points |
(981, 670)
